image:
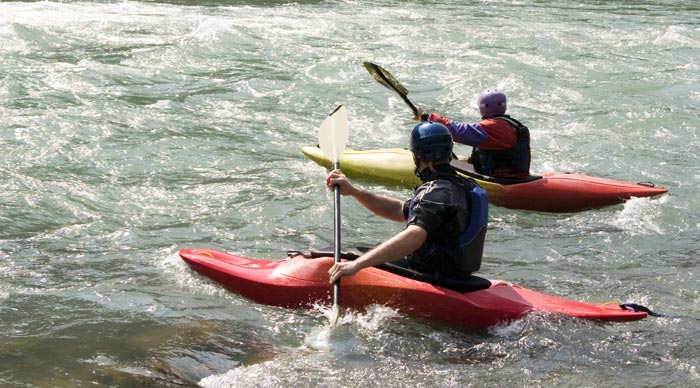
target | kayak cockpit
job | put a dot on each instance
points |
(462, 284)
(468, 169)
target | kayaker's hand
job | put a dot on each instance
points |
(419, 113)
(336, 177)
(345, 268)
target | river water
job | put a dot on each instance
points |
(132, 129)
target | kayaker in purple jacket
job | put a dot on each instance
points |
(441, 237)
(501, 144)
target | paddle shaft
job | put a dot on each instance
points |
(336, 229)
(410, 104)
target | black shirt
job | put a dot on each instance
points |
(440, 207)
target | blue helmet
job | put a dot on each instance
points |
(492, 103)
(431, 142)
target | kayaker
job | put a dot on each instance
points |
(445, 219)
(501, 144)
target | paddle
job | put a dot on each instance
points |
(385, 78)
(332, 138)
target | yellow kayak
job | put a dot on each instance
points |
(549, 192)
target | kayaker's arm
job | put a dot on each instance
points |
(381, 205)
(471, 134)
(393, 249)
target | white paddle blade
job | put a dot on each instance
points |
(335, 315)
(333, 134)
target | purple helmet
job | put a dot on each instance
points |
(492, 103)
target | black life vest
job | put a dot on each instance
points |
(515, 160)
(472, 237)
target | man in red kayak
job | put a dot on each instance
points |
(445, 219)
(501, 144)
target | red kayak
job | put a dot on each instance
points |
(299, 281)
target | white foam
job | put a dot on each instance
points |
(639, 216)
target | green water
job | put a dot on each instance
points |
(132, 129)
